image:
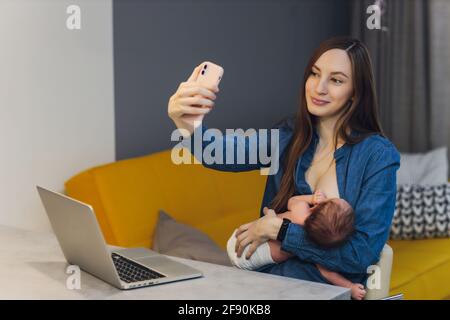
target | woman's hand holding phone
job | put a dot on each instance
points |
(193, 98)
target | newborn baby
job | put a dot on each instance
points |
(328, 223)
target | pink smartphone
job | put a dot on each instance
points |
(210, 75)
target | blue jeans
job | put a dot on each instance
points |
(295, 268)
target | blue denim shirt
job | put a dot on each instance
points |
(366, 178)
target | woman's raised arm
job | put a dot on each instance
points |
(237, 150)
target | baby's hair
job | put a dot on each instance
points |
(330, 224)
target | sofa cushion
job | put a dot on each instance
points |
(181, 240)
(423, 168)
(421, 211)
(420, 268)
(220, 230)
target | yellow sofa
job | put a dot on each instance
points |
(126, 196)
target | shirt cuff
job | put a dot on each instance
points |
(294, 238)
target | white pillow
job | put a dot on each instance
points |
(423, 168)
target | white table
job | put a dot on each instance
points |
(32, 266)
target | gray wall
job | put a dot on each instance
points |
(263, 46)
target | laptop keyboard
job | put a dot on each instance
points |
(130, 271)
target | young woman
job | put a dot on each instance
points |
(335, 144)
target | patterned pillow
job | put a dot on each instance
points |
(421, 212)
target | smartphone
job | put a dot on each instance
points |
(210, 75)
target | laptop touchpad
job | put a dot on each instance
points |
(136, 253)
(166, 266)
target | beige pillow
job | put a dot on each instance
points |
(180, 240)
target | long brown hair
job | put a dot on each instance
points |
(360, 116)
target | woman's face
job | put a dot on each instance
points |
(329, 86)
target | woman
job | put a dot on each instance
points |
(335, 144)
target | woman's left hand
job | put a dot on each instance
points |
(257, 232)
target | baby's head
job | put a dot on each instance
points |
(330, 223)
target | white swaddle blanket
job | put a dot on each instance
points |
(259, 258)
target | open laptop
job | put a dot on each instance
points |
(82, 243)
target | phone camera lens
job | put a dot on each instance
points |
(203, 71)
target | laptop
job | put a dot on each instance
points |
(82, 243)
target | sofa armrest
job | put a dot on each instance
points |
(385, 269)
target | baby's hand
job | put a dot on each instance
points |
(319, 197)
(358, 291)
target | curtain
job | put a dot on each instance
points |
(411, 59)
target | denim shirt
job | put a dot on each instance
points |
(366, 179)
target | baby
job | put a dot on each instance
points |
(328, 223)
